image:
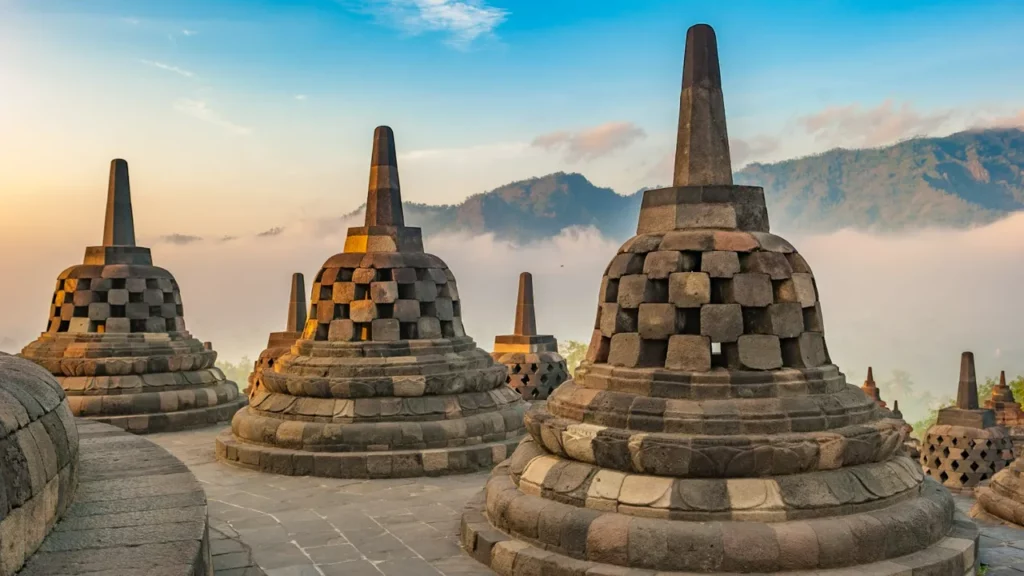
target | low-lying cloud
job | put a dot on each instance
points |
(275, 231)
(857, 126)
(180, 239)
(593, 142)
(909, 302)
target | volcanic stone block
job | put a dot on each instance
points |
(688, 352)
(632, 351)
(748, 289)
(404, 275)
(661, 264)
(720, 264)
(407, 310)
(385, 330)
(774, 264)
(785, 320)
(426, 290)
(364, 275)
(721, 322)
(137, 310)
(757, 352)
(812, 319)
(342, 331)
(136, 285)
(343, 292)
(625, 264)
(805, 351)
(153, 297)
(362, 311)
(444, 308)
(384, 292)
(118, 326)
(428, 327)
(657, 321)
(805, 292)
(99, 311)
(689, 289)
(616, 319)
(609, 291)
(636, 289)
(83, 298)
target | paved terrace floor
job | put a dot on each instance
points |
(304, 526)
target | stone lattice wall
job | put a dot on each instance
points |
(961, 457)
(534, 375)
(116, 299)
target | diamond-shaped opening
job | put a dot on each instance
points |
(517, 369)
(937, 463)
(974, 466)
(945, 451)
(964, 478)
(533, 368)
(983, 454)
(939, 439)
(544, 378)
(988, 443)
(526, 378)
(508, 379)
(963, 454)
(943, 477)
(954, 465)
(955, 441)
(984, 475)
(971, 443)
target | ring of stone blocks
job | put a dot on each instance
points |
(135, 384)
(116, 345)
(384, 297)
(360, 465)
(119, 299)
(960, 457)
(38, 458)
(666, 298)
(725, 417)
(154, 402)
(660, 544)
(1002, 497)
(314, 353)
(418, 376)
(716, 384)
(173, 421)
(257, 427)
(712, 456)
(375, 409)
(118, 364)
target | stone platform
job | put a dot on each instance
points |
(137, 511)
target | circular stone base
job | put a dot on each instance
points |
(954, 555)
(383, 464)
(174, 421)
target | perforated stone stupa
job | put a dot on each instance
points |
(280, 342)
(707, 431)
(535, 367)
(965, 446)
(384, 381)
(116, 338)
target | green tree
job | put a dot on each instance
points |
(573, 352)
(237, 373)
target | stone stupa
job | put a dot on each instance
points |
(280, 343)
(1008, 413)
(965, 446)
(912, 444)
(116, 338)
(871, 389)
(384, 381)
(535, 367)
(1003, 495)
(707, 430)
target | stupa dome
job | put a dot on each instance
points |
(384, 381)
(708, 431)
(116, 337)
(38, 458)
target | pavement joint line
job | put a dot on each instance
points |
(349, 542)
(418, 555)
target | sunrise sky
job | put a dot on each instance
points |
(244, 122)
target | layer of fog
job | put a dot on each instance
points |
(908, 302)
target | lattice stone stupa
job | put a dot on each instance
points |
(535, 367)
(965, 446)
(384, 381)
(707, 431)
(116, 338)
(1003, 496)
(280, 343)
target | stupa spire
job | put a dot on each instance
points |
(119, 226)
(702, 142)
(384, 199)
(297, 304)
(526, 318)
(871, 377)
(967, 392)
(1002, 379)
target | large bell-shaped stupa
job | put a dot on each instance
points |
(384, 381)
(707, 431)
(116, 338)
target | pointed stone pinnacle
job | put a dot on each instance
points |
(526, 320)
(895, 405)
(967, 392)
(1002, 379)
(702, 143)
(119, 225)
(297, 304)
(871, 377)
(384, 200)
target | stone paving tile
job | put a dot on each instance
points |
(298, 526)
(1000, 547)
(231, 556)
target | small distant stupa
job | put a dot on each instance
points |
(1008, 413)
(1003, 497)
(535, 367)
(280, 342)
(871, 389)
(116, 338)
(965, 446)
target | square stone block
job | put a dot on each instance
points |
(428, 327)
(99, 311)
(343, 292)
(748, 290)
(164, 285)
(364, 275)
(785, 320)
(450, 290)
(625, 264)
(598, 349)
(324, 311)
(137, 310)
(156, 324)
(812, 318)
(177, 324)
(342, 331)
(79, 326)
(798, 264)
(384, 292)
(805, 351)
(636, 289)
(444, 309)
(118, 326)
(83, 297)
(755, 352)
(774, 264)
(404, 275)
(658, 321)
(721, 322)
(632, 351)
(805, 292)
(362, 311)
(406, 310)
(385, 330)
(706, 216)
(437, 276)
(718, 264)
(689, 289)
(661, 264)
(153, 297)
(609, 291)
(688, 352)
(615, 319)
(117, 297)
(135, 284)
(426, 290)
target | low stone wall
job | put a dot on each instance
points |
(137, 511)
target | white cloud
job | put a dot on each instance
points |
(187, 32)
(200, 110)
(855, 126)
(463, 20)
(592, 142)
(300, 96)
(130, 21)
(169, 68)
